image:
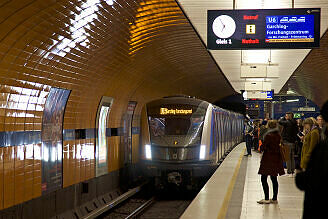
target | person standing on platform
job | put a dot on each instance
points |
(289, 135)
(256, 135)
(322, 127)
(314, 180)
(311, 139)
(248, 136)
(263, 129)
(299, 125)
(271, 162)
(298, 145)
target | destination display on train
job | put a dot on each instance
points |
(263, 28)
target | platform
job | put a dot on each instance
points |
(235, 187)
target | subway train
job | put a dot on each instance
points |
(184, 139)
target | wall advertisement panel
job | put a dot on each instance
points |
(52, 139)
(127, 132)
(101, 137)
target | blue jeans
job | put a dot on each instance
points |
(249, 144)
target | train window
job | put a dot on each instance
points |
(157, 126)
(176, 125)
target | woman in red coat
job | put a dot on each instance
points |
(271, 162)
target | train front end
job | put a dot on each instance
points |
(175, 141)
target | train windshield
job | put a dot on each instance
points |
(176, 125)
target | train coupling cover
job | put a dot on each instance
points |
(175, 178)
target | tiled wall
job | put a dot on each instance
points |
(78, 161)
(125, 49)
(20, 174)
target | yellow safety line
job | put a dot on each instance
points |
(227, 197)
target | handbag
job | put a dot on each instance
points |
(284, 152)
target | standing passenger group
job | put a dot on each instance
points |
(300, 139)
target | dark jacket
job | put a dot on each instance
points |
(248, 128)
(271, 162)
(263, 130)
(256, 132)
(314, 182)
(322, 132)
(289, 131)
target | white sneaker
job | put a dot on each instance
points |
(263, 201)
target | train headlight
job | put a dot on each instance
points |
(202, 152)
(148, 151)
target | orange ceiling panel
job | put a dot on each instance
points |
(128, 50)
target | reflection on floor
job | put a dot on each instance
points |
(290, 199)
(235, 187)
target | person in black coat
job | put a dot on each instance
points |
(256, 136)
(314, 180)
(289, 136)
(248, 135)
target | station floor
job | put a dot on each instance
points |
(235, 187)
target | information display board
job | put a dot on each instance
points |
(263, 28)
(257, 95)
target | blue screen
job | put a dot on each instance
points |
(289, 28)
(269, 94)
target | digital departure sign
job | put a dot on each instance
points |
(263, 28)
(166, 111)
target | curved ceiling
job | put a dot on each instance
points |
(128, 50)
(310, 78)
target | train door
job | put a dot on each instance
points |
(225, 131)
(213, 143)
(230, 130)
(233, 134)
(228, 133)
(235, 130)
(215, 139)
(217, 133)
(241, 126)
(220, 133)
